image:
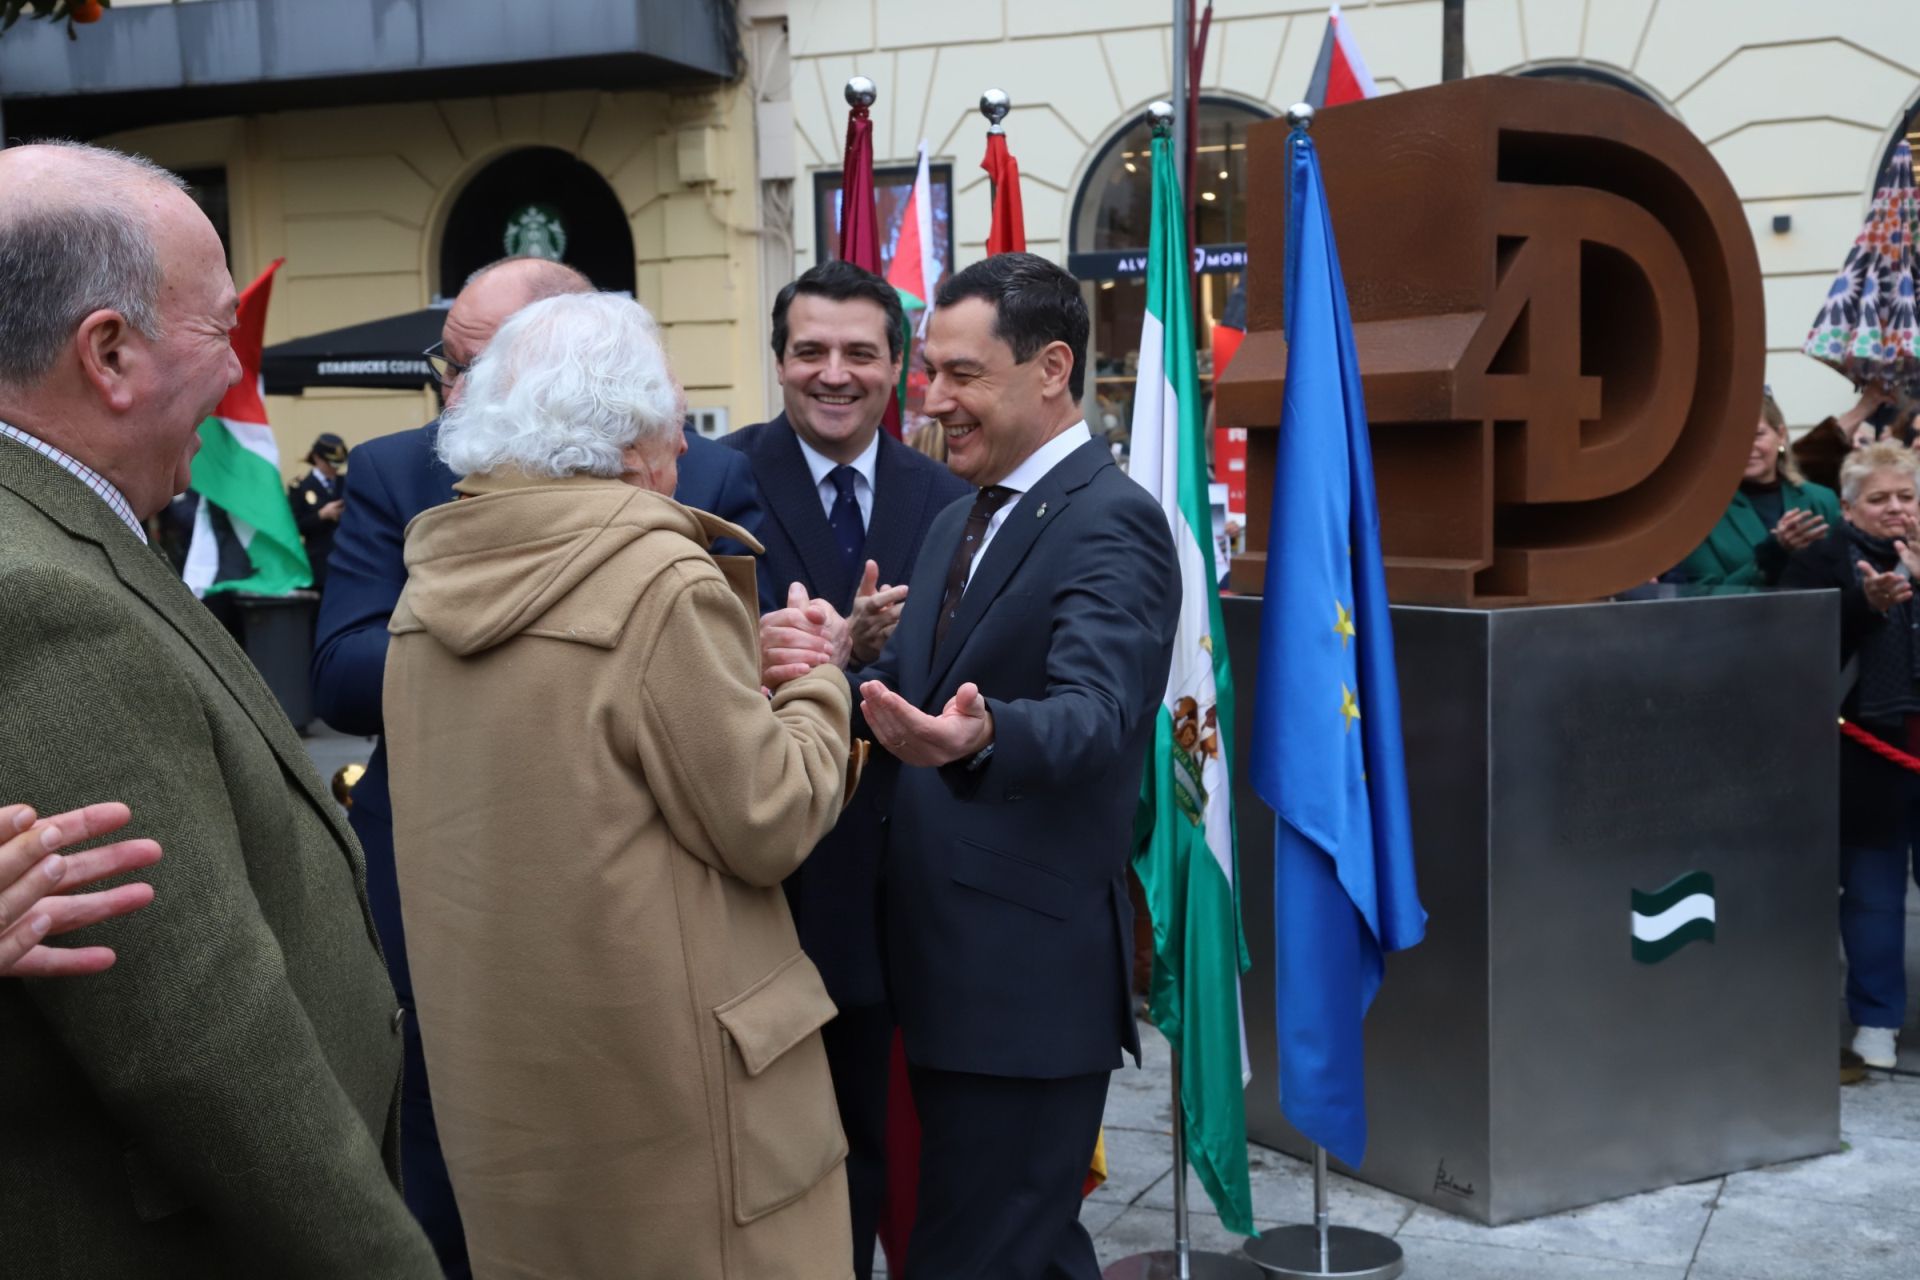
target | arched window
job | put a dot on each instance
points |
(1587, 75)
(540, 201)
(1112, 216)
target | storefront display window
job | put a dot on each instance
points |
(891, 189)
(1112, 217)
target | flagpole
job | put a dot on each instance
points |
(1183, 1261)
(1182, 67)
(1323, 1250)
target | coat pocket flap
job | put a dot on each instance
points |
(1016, 880)
(777, 1012)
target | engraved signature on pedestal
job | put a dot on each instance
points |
(1444, 1181)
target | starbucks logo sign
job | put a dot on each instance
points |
(535, 231)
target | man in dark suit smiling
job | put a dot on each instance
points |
(1018, 694)
(845, 509)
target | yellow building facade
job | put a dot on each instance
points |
(356, 200)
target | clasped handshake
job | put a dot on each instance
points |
(809, 633)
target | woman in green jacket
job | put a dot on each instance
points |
(1776, 512)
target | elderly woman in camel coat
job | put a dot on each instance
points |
(594, 806)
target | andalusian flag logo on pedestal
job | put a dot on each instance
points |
(237, 472)
(1185, 858)
(1668, 919)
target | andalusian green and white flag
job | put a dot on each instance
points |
(244, 537)
(1185, 854)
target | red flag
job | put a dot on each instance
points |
(860, 219)
(1009, 232)
(1339, 74)
(242, 402)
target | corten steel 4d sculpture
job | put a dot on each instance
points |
(1557, 309)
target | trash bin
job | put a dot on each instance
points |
(277, 634)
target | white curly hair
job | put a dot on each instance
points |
(565, 387)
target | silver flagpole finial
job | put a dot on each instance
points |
(861, 92)
(1160, 114)
(994, 105)
(1300, 115)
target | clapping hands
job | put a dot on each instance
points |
(876, 612)
(1799, 529)
(1885, 590)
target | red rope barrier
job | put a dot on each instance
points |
(1885, 751)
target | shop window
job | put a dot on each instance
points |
(1113, 214)
(891, 188)
(544, 202)
(1587, 75)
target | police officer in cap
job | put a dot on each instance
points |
(318, 498)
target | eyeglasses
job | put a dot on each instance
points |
(446, 370)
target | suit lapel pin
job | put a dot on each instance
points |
(1041, 514)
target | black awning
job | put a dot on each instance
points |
(155, 63)
(380, 353)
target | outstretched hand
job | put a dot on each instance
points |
(804, 635)
(963, 728)
(35, 885)
(1883, 590)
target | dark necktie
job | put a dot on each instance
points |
(988, 501)
(849, 534)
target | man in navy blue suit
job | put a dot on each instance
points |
(1018, 695)
(845, 509)
(397, 477)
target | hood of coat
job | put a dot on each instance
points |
(513, 550)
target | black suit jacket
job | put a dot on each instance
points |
(306, 496)
(395, 478)
(1006, 911)
(835, 893)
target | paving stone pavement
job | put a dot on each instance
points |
(1853, 1215)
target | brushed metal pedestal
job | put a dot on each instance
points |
(1524, 1059)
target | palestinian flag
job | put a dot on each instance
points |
(1340, 74)
(914, 270)
(244, 538)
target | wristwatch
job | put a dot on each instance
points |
(978, 760)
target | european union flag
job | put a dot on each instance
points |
(1326, 738)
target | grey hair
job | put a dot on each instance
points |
(1887, 455)
(66, 254)
(566, 385)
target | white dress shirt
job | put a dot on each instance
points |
(85, 474)
(1028, 474)
(822, 468)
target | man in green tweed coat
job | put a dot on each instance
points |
(221, 1102)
